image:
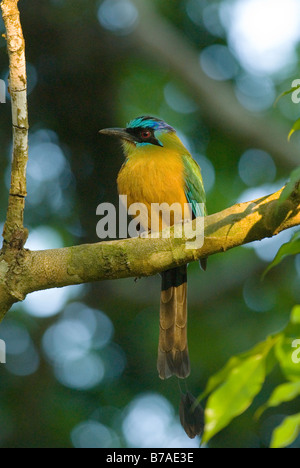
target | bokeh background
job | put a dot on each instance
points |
(81, 361)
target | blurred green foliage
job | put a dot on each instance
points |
(81, 363)
(233, 389)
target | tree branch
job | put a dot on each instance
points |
(137, 257)
(160, 40)
(14, 233)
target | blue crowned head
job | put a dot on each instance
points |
(146, 130)
(142, 131)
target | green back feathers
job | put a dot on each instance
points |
(194, 189)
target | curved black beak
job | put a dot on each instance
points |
(117, 132)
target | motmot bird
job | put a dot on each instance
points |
(158, 169)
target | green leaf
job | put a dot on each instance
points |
(290, 187)
(233, 397)
(285, 93)
(290, 248)
(285, 434)
(281, 394)
(217, 379)
(294, 129)
(295, 315)
(292, 329)
(242, 382)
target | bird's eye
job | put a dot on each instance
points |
(146, 134)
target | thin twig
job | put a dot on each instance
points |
(14, 233)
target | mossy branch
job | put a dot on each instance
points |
(137, 257)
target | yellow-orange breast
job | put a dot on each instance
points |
(153, 175)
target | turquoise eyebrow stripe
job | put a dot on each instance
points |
(148, 122)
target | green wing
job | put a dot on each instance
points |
(194, 188)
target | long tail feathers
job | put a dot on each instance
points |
(173, 355)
